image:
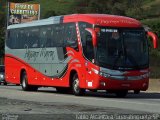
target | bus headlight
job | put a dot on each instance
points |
(104, 74)
(145, 75)
(95, 71)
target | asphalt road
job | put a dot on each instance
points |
(14, 101)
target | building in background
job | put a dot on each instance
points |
(22, 12)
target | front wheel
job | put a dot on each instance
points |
(136, 91)
(75, 86)
(121, 93)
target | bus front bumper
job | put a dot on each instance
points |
(114, 84)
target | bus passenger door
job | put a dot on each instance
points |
(89, 54)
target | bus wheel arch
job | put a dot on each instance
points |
(74, 83)
(24, 82)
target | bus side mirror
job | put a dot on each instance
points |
(154, 39)
(94, 36)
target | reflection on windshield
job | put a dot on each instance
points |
(122, 48)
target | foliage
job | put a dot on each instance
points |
(103, 6)
(1, 42)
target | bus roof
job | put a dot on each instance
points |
(97, 19)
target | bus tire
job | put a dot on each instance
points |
(75, 86)
(24, 82)
(25, 85)
(121, 93)
(136, 91)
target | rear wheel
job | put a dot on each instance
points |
(25, 85)
(75, 86)
(121, 93)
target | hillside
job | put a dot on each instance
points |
(149, 8)
(54, 7)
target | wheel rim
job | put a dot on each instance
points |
(76, 85)
(24, 83)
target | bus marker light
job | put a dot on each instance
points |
(103, 83)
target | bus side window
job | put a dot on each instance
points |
(58, 32)
(89, 46)
(70, 35)
(14, 38)
(34, 38)
(43, 36)
(25, 43)
(8, 41)
(49, 37)
(86, 40)
(22, 38)
(82, 27)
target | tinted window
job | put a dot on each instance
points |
(59, 35)
(12, 39)
(58, 31)
(86, 39)
(33, 37)
(21, 39)
(70, 35)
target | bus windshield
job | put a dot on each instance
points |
(122, 48)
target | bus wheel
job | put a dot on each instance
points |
(136, 91)
(121, 93)
(75, 86)
(24, 83)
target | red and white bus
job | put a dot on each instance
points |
(78, 52)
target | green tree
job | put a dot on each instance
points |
(135, 9)
(103, 6)
(50, 13)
